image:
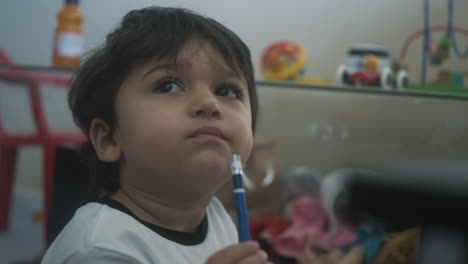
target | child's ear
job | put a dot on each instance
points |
(106, 146)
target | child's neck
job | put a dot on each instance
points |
(161, 212)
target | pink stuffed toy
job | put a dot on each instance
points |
(310, 229)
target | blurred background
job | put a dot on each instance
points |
(314, 116)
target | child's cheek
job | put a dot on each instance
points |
(247, 147)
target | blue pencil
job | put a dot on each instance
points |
(239, 197)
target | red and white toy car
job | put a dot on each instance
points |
(371, 65)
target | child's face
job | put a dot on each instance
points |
(160, 107)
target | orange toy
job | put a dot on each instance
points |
(282, 61)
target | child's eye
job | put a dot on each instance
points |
(230, 91)
(168, 86)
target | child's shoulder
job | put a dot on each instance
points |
(106, 230)
(94, 225)
(87, 220)
(94, 222)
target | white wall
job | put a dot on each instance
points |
(326, 28)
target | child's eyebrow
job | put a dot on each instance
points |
(229, 73)
(166, 66)
(233, 74)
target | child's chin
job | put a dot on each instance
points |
(212, 164)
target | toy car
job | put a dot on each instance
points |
(371, 65)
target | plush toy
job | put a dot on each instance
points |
(335, 195)
(400, 248)
(309, 229)
(300, 181)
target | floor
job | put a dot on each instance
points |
(23, 242)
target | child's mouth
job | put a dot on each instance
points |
(208, 134)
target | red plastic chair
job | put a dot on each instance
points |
(42, 77)
(43, 137)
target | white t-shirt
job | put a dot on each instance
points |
(111, 233)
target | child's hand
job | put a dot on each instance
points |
(334, 257)
(243, 253)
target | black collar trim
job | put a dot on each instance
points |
(183, 238)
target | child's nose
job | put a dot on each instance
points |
(204, 104)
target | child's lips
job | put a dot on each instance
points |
(208, 134)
